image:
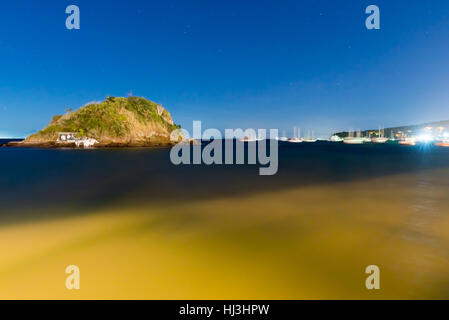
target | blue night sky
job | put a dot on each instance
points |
(248, 64)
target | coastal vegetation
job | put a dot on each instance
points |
(115, 120)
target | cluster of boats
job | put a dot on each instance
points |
(297, 137)
(358, 139)
(380, 138)
(440, 138)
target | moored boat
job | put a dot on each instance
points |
(335, 138)
(284, 137)
(296, 136)
(442, 143)
(354, 141)
(408, 142)
(380, 137)
(309, 138)
(379, 140)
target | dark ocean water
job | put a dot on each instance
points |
(2, 141)
(41, 178)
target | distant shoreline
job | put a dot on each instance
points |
(55, 145)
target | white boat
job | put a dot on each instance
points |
(335, 138)
(309, 139)
(380, 138)
(283, 138)
(354, 141)
(408, 142)
(357, 140)
(367, 139)
(296, 136)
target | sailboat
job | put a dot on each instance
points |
(408, 141)
(284, 137)
(357, 140)
(392, 137)
(380, 138)
(296, 136)
(367, 138)
(310, 138)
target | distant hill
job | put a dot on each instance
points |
(410, 130)
(118, 120)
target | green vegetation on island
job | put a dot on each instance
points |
(117, 120)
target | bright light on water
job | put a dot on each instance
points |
(426, 138)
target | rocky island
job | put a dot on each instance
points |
(115, 122)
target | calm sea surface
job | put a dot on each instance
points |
(307, 232)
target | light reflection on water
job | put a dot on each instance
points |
(224, 231)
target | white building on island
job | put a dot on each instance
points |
(70, 137)
(66, 137)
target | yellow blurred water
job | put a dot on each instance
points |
(307, 242)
